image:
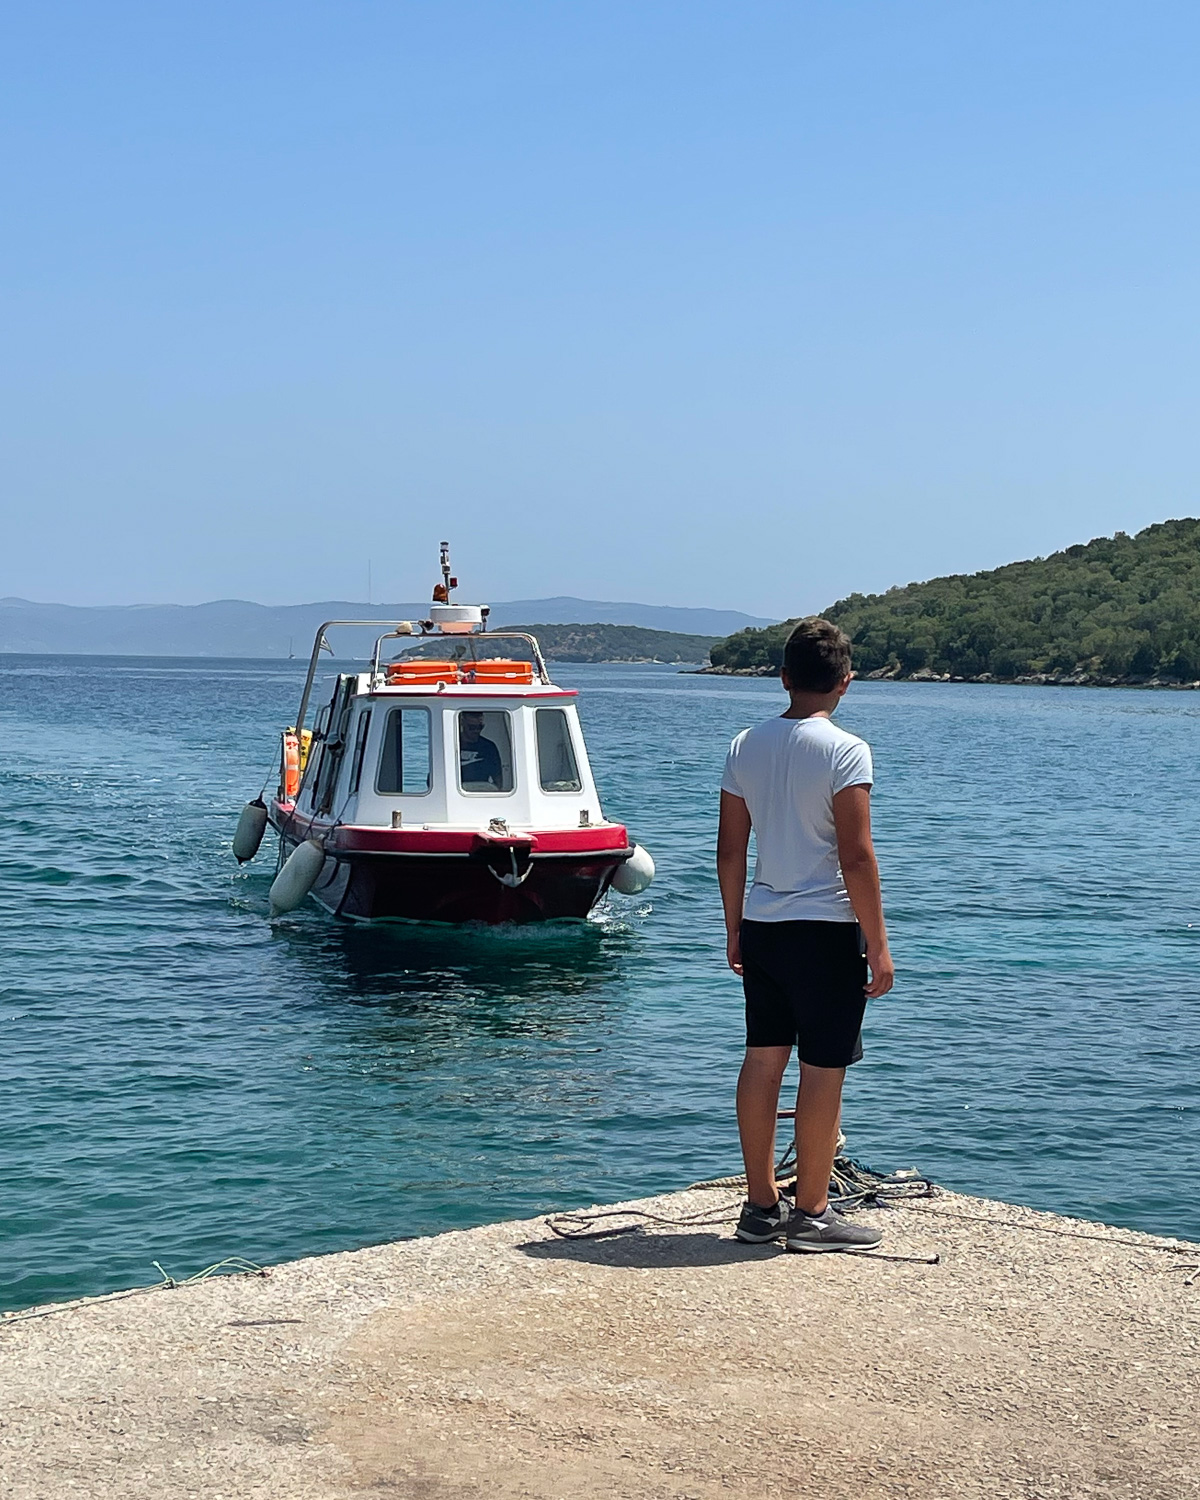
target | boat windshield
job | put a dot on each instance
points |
(485, 761)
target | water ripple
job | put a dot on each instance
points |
(185, 1080)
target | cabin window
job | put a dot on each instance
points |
(558, 769)
(360, 749)
(485, 750)
(405, 760)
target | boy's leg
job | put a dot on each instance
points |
(818, 1115)
(757, 1106)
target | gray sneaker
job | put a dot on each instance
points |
(828, 1231)
(758, 1226)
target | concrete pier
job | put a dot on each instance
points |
(1041, 1357)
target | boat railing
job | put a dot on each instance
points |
(465, 640)
(403, 630)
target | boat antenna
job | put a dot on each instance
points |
(441, 591)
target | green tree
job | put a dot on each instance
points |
(1119, 606)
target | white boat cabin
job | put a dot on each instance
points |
(407, 748)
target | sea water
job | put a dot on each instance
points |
(184, 1080)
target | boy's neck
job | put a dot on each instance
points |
(811, 705)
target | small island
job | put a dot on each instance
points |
(1116, 611)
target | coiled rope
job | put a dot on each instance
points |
(851, 1186)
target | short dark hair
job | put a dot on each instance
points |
(817, 656)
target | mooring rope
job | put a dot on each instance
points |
(1066, 1234)
(851, 1186)
(240, 1267)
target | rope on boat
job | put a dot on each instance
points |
(517, 877)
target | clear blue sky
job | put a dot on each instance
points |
(692, 303)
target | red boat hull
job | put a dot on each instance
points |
(371, 875)
(368, 887)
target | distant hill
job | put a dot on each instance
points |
(1117, 609)
(567, 611)
(236, 627)
(584, 643)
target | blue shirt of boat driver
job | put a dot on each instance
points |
(479, 762)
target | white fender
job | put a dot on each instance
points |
(298, 876)
(251, 826)
(635, 874)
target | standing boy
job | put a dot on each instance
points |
(797, 938)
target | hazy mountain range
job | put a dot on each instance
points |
(237, 627)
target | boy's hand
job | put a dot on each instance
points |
(883, 973)
(733, 951)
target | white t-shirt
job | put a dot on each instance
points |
(787, 772)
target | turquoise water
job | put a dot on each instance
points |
(185, 1081)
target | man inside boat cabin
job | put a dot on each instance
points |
(478, 759)
(808, 939)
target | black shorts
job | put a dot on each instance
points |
(804, 989)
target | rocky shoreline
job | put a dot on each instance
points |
(926, 674)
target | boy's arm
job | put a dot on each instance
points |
(856, 855)
(733, 838)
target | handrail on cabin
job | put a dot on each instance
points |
(474, 635)
(396, 632)
(316, 656)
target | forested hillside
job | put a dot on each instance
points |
(617, 643)
(1117, 609)
(583, 643)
